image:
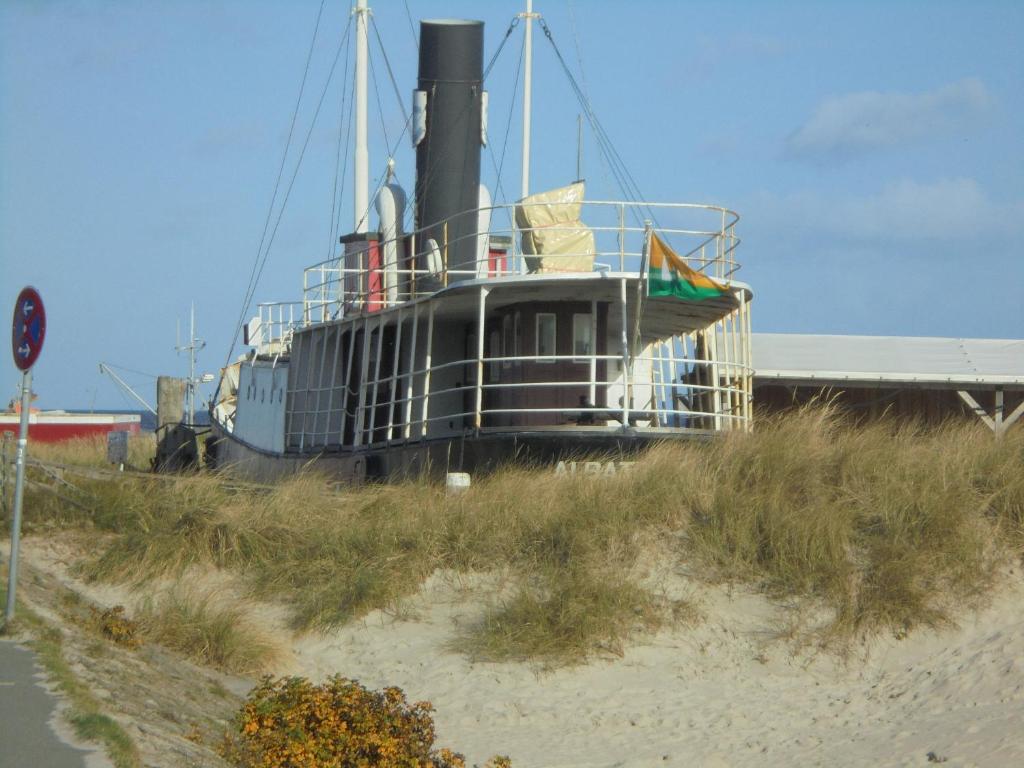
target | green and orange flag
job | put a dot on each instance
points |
(670, 275)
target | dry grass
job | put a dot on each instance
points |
(206, 630)
(92, 451)
(886, 526)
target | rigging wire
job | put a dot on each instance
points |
(583, 76)
(627, 183)
(380, 108)
(508, 121)
(298, 165)
(499, 166)
(131, 370)
(387, 63)
(339, 169)
(277, 184)
(302, 153)
(345, 160)
(412, 27)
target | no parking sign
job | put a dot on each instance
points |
(28, 328)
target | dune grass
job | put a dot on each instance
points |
(885, 526)
(206, 629)
(92, 451)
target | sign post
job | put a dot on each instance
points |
(28, 330)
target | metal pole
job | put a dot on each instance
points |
(480, 322)
(527, 96)
(425, 411)
(192, 364)
(625, 354)
(361, 191)
(19, 492)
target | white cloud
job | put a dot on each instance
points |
(905, 210)
(854, 123)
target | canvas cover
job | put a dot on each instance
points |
(553, 237)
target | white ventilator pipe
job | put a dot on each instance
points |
(361, 191)
(390, 212)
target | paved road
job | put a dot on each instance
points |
(26, 708)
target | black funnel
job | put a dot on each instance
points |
(448, 157)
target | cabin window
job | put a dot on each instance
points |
(494, 368)
(545, 336)
(582, 344)
(508, 342)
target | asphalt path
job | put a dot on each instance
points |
(27, 709)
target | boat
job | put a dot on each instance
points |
(546, 329)
(56, 426)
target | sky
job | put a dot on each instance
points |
(873, 151)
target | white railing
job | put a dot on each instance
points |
(703, 235)
(709, 395)
(275, 325)
(382, 378)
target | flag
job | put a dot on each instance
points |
(669, 275)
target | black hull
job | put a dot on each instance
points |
(475, 454)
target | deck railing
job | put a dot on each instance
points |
(274, 325)
(379, 274)
(684, 393)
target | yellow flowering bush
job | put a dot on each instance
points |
(291, 723)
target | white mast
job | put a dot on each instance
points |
(193, 346)
(361, 193)
(527, 93)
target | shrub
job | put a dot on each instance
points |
(118, 628)
(291, 723)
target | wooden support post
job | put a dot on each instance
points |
(978, 410)
(1013, 417)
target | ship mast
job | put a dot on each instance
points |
(529, 16)
(193, 346)
(361, 192)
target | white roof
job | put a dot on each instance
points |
(803, 358)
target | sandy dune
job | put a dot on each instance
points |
(725, 692)
(721, 693)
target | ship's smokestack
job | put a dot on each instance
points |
(448, 152)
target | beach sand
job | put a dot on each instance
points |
(724, 690)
